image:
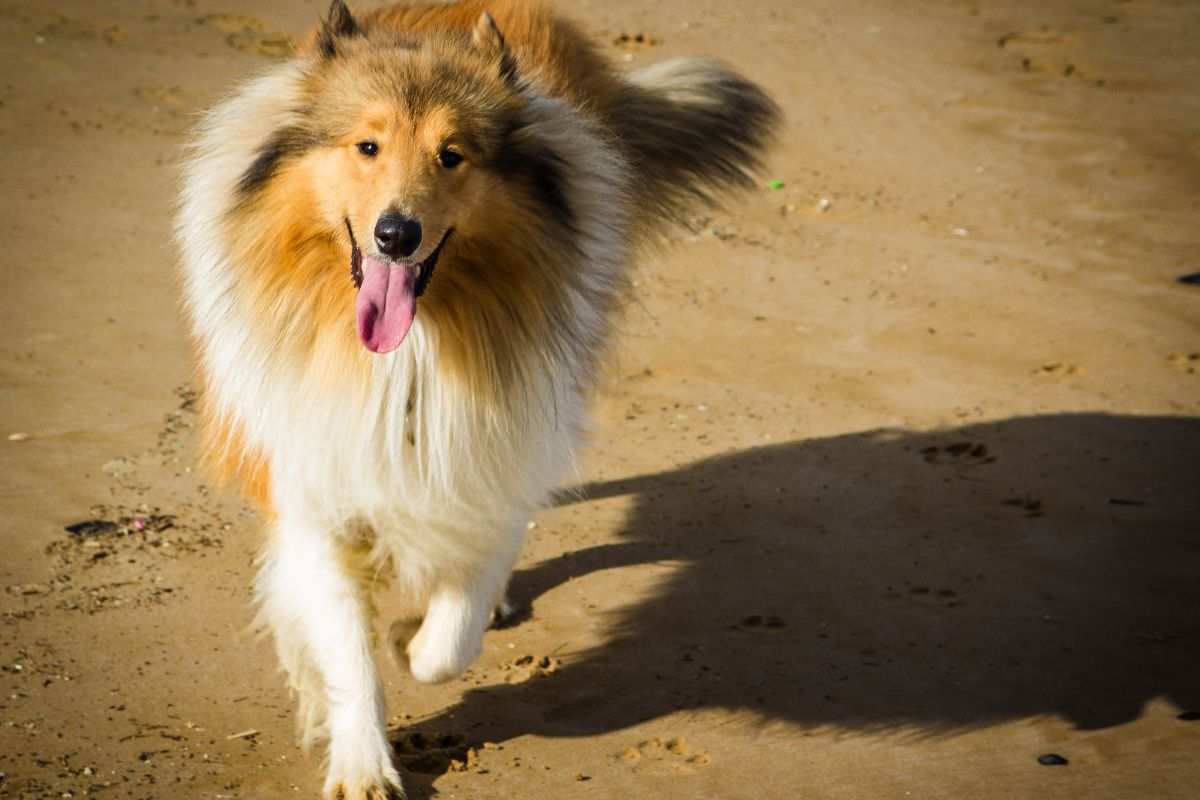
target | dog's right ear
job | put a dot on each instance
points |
(339, 23)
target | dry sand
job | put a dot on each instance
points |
(894, 488)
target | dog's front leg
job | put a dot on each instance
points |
(442, 645)
(319, 616)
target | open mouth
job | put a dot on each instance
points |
(425, 268)
(388, 292)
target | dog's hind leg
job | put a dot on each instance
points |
(320, 617)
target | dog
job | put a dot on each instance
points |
(404, 251)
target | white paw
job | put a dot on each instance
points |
(376, 792)
(436, 656)
(361, 792)
(360, 768)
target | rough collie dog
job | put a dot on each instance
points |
(403, 250)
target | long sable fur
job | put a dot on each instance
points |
(691, 129)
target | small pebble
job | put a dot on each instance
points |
(20, 436)
(92, 527)
(825, 204)
(1052, 760)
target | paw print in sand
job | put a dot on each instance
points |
(660, 756)
(959, 453)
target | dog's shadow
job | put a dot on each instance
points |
(889, 580)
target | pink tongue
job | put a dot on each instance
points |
(386, 304)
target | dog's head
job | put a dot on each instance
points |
(414, 128)
(415, 151)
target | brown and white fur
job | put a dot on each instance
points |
(426, 462)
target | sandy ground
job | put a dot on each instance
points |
(894, 488)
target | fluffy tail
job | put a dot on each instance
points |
(691, 129)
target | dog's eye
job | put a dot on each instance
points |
(450, 158)
(368, 148)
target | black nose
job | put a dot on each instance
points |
(397, 235)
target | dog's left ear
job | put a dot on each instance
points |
(488, 40)
(339, 23)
